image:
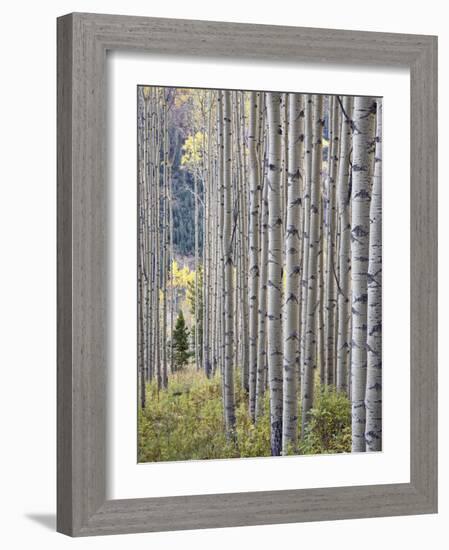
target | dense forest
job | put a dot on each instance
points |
(259, 273)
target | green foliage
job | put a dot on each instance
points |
(180, 343)
(329, 426)
(185, 422)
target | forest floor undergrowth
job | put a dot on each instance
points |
(185, 422)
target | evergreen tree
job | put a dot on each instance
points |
(180, 343)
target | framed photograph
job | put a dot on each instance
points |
(247, 274)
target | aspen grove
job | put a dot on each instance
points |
(259, 277)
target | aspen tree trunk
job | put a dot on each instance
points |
(284, 172)
(309, 365)
(141, 332)
(308, 135)
(274, 285)
(302, 164)
(216, 263)
(205, 244)
(150, 255)
(213, 144)
(142, 344)
(344, 255)
(373, 399)
(262, 313)
(172, 282)
(330, 291)
(207, 235)
(164, 242)
(146, 237)
(291, 303)
(253, 283)
(320, 339)
(196, 217)
(150, 290)
(228, 237)
(236, 229)
(263, 246)
(244, 215)
(221, 266)
(337, 282)
(157, 246)
(362, 171)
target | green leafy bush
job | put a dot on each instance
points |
(185, 422)
(329, 426)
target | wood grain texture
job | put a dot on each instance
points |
(83, 40)
(64, 277)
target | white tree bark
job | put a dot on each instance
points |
(228, 238)
(373, 400)
(362, 172)
(165, 264)
(309, 364)
(263, 245)
(262, 313)
(308, 135)
(244, 217)
(274, 284)
(292, 254)
(321, 298)
(207, 243)
(344, 256)
(331, 268)
(142, 122)
(253, 271)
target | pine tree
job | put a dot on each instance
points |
(180, 343)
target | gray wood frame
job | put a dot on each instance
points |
(83, 40)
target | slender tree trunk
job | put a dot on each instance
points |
(330, 291)
(292, 255)
(262, 312)
(222, 297)
(157, 244)
(196, 218)
(284, 165)
(228, 239)
(373, 399)
(362, 171)
(253, 284)
(263, 251)
(146, 237)
(244, 249)
(344, 255)
(165, 242)
(274, 331)
(140, 269)
(307, 388)
(172, 282)
(308, 135)
(320, 338)
(207, 238)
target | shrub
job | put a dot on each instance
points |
(329, 426)
(185, 422)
